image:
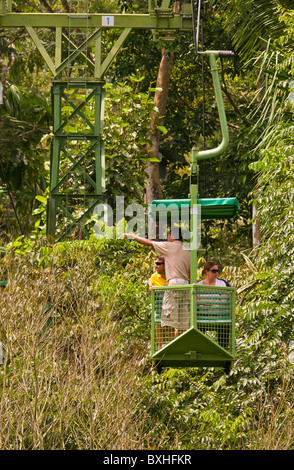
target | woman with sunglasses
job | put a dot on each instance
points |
(205, 299)
(210, 272)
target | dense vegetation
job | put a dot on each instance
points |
(75, 325)
(75, 316)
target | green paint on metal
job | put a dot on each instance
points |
(41, 49)
(209, 339)
(77, 180)
(193, 217)
(158, 18)
(217, 208)
(77, 52)
(200, 155)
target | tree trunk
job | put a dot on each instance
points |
(153, 187)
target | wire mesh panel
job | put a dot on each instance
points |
(214, 310)
(171, 313)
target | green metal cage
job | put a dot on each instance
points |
(203, 329)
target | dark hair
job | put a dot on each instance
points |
(160, 257)
(207, 266)
(179, 233)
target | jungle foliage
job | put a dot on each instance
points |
(76, 372)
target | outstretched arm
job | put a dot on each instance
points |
(143, 241)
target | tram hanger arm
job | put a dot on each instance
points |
(203, 154)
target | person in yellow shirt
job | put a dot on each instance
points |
(158, 279)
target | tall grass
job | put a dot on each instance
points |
(75, 375)
(64, 383)
(273, 424)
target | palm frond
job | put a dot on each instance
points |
(251, 23)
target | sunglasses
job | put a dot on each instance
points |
(214, 271)
(157, 263)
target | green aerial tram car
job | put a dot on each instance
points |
(209, 339)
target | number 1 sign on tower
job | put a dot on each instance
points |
(107, 20)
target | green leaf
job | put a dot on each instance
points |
(42, 199)
(162, 129)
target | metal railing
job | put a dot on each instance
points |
(208, 309)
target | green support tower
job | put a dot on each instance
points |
(78, 68)
(77, 179)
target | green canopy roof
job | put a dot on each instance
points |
(219, 208)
